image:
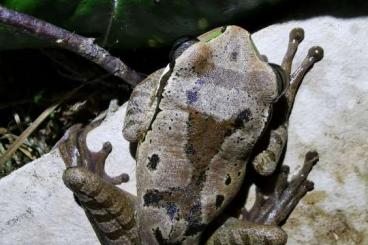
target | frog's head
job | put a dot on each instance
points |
(229, 57)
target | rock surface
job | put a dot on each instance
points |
(36, 207)
(330, 115)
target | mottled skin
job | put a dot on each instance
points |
(210, 114)
(196, 124)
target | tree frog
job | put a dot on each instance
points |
(218, 109)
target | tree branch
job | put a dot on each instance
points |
(80, 45)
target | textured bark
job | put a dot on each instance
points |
(80, 45)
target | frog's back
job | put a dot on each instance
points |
(191, 162)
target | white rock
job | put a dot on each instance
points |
(36, 207)
(330, 115)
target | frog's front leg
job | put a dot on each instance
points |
(142, 107)
(109, 209)
(261, 224)
(266, 161)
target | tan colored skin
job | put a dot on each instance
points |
(196, 125)
(210, 114)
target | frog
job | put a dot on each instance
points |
(196, 127)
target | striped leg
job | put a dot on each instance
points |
(109, 209)
(238, 232)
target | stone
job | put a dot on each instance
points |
(330, 115)
(36, 207)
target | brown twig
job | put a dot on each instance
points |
(80, 45)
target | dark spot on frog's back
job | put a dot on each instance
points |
(219, 200)
(189, 149)
(153, 161)
(152, 197)
(234, 56)
(194, 221)
(161, 240)
(228, 180)
(171, 210)
(243, 117)
(200, 82)
(192, 96)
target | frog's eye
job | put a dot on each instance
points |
(179, 47)
(282, 80)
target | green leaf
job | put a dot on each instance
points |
(135, 23)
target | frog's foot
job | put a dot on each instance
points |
(75, 153)
(276, 208)
(314, 55)
(296, 36)
(109, 209)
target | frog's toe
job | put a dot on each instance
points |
(296, 36)
(316, 53)
(311, 158)
(277, 207)
(288, 194)
(282, 182)
(75, 153)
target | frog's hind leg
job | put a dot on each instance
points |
(276, 208)
(236, 232)
(109, 209)
(261, 224)
(266, 161)
(142, 107)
